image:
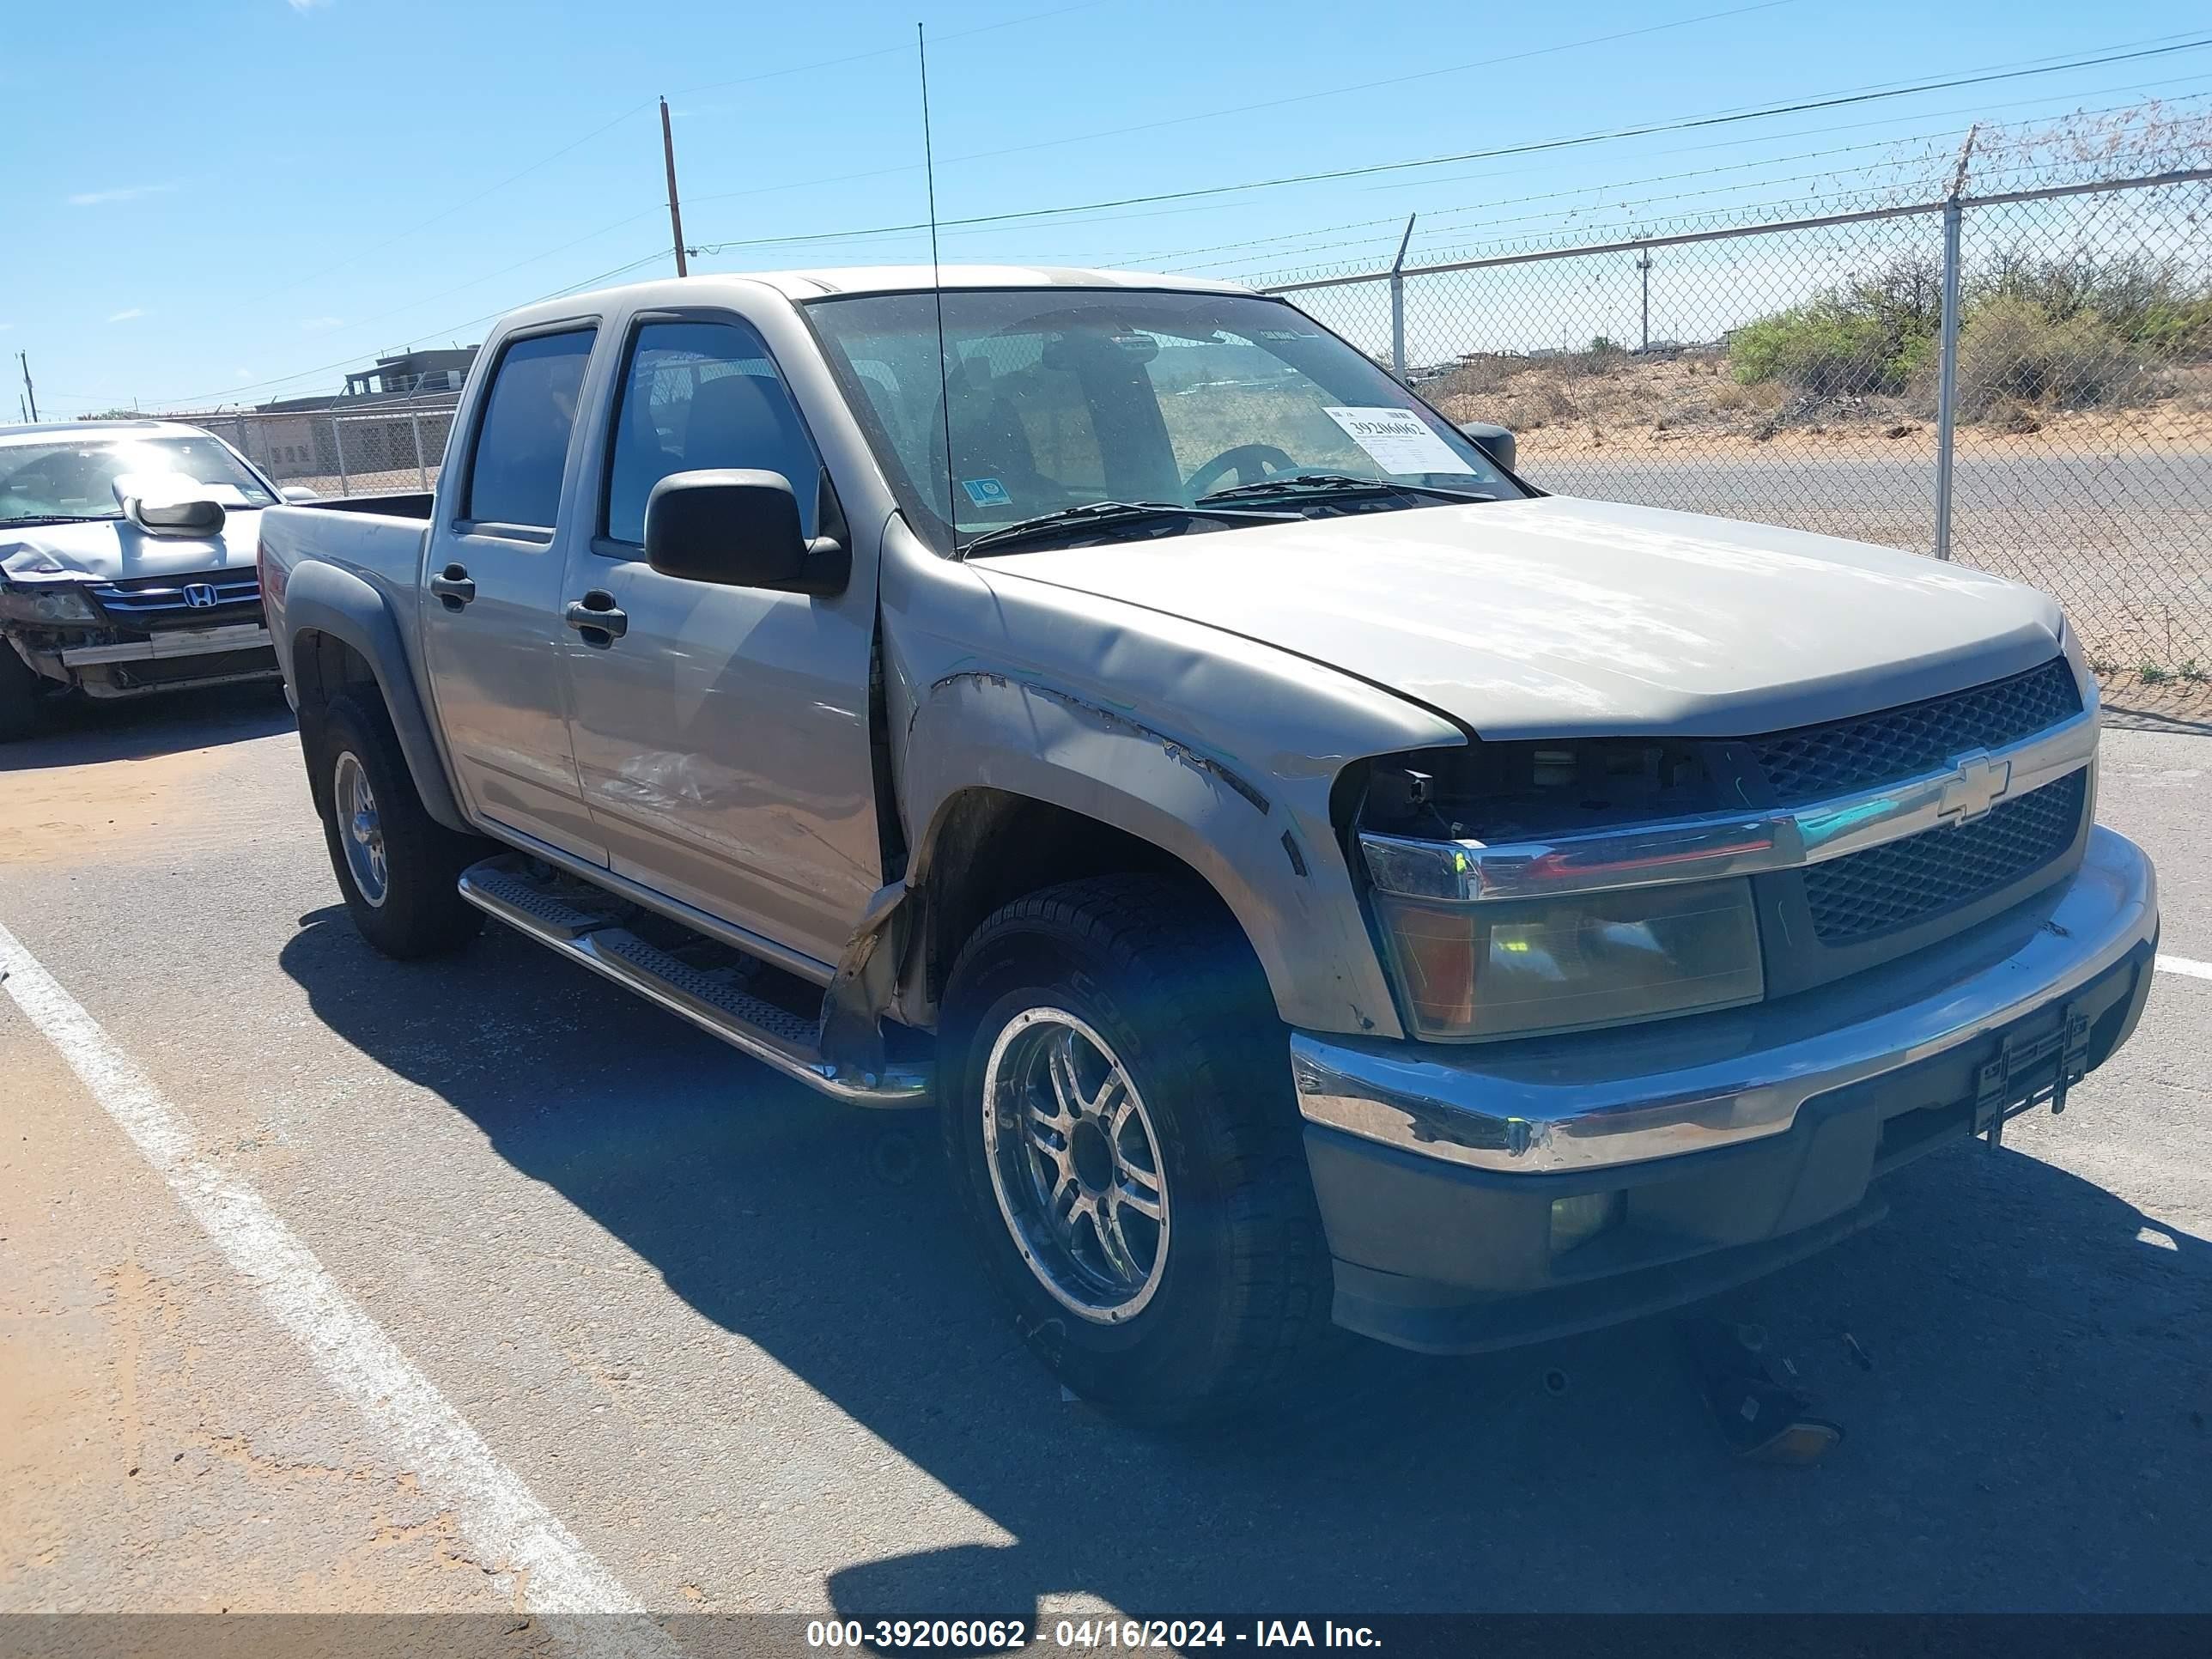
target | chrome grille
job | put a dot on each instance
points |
(202, 601)
(1921, 877)
(1812, 763)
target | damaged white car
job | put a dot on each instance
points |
(126, 564)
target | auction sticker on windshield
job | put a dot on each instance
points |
(1397, 440)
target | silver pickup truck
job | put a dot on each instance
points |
(1316, 875)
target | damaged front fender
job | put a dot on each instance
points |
(1220, 751)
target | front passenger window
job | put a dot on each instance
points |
(698, 395)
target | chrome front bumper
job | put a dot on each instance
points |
(1598, 1099)
(179, 642)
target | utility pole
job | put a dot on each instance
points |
(30, 392)
(1644, 264)
(675, 212)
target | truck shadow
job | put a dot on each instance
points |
(78, 731)
(2026, 1408)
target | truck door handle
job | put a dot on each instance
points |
(454, 587)
(597, 613)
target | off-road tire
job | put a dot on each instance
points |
(422, 913)
(1159, 969)
(20, 689)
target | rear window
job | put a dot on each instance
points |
(522, 443)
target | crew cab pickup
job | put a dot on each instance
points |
(126, 564)
(1314, 874)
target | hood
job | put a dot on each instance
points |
(117, 550)
(1554, 617)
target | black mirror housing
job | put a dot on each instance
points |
(1495, 441)
(738, 528)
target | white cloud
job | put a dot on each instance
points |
(242, 375)
(307, 5)
(125, 316)
(126, 193)
(321, 325)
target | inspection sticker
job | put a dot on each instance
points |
(1397, 440)
(987, 492)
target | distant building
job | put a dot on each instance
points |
(296, 437)
(413, 373)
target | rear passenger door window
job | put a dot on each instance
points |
(522, 443)
(698, 394)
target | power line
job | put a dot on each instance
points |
(1432, 218)
(1330, 175)
(608, 126)
(1243, 109)
(658, 252)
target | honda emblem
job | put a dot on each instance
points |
(200, 595)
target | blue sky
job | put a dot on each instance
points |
(233, 200)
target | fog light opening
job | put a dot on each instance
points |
(1576, 1221)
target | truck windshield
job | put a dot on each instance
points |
(1062, 397)
(75, 478)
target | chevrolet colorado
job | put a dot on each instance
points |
(1316, 875)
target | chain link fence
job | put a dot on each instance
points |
(345, 447)
(2020, 380)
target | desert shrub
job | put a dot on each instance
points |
(1867, 335)
(2146, 301)
(2013, 355)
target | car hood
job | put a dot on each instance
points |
(114, 550)
(1555, 617)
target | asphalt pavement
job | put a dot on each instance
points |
(729, 1341)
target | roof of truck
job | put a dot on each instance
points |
(893, 279)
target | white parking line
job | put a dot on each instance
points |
(554, 1574)
(2184, 965)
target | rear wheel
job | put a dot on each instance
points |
(396, 865)
(1118, 1112)
(20, 689)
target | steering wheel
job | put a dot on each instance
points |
(1250, 462)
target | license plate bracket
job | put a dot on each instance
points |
(2033, 1063)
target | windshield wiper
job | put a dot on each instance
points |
(1339, 483)
(1111, 513)
(63, 517)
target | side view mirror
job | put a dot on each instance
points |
(298, 493)
(1495, 441)
(193, 516)
(740, 529)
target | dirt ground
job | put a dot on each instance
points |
(1585, 403)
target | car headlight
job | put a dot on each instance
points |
(1517, 967)
(59, 603)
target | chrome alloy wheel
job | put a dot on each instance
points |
(360, 830)
(1075, 1165)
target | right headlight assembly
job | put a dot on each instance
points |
(55, 602)
(1461, 845)
(1521, 966)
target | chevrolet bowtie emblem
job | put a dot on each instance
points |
(1976, 784)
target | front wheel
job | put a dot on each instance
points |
(396, 865)
(1119, 1117)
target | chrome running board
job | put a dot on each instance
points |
(503, 888)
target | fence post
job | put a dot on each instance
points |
(1397, 303)
(1946, 358)
(415, 425)
(337, 444)
(1946, 379)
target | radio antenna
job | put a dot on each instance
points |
(937, 289)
